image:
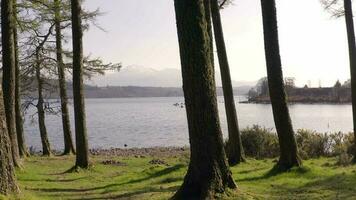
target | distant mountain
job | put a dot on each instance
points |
(148, 77)
(135, 91)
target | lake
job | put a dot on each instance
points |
(148, 122)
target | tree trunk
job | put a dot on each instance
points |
(8, 85)
(82, 158)
(7, 172)
(352, 56)
(208, 171)
(68, 142)
(207, 8)
(46, 149)
(19, 120)
(234, 146)
(288, 147)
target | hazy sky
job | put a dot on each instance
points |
(141, 32)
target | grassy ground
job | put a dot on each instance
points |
(137, 178)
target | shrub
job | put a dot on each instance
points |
(342, 143)
(259, 142)
(312, 144)
(344, 159)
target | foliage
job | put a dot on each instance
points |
(261, 88)
(36, 25)
(259, 143)
(337, 84)
(334, 7)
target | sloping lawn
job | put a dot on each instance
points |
(146, 178)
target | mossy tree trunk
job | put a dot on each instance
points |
(68, 142)
(19, 119)
(352, 57)
(208, 171)
(7, 172)
(288, 146)
(82, 158)
(46, 148)
(9, 68)
(234, 146)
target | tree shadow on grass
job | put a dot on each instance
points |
(79, 191)
(274, 172)
(339, 186)
(52, 180)
(158, 174)
(129, 195)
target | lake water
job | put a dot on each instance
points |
(148, 122)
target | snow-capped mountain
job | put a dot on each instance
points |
(149, 77)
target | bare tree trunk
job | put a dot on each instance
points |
(82, 158)
(208, 171)
(7, 172)
(19, 120)
(7, 27)
(46, 148)
(234, 147)
(352, 56)
(288, 146)
(68, 142)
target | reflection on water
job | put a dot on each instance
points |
(146, 122)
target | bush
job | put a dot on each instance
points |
(259, 142)
(344, 159)
(312, 144)
(342, 143)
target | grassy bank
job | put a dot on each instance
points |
(144, 177)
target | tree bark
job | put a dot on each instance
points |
(7, 172)
(19, 120)
(234, 146)
(208, 171)
(82, 158)
(68, 142)
(288, 147)
(7, 27)
(352, 56)
(46, 148)
(207, 8)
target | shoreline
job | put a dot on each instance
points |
(299, 102)
(141, 152)
(161, 152)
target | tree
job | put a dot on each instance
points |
(68, 142)
(7, 172)
(234, 146)
(42, 41)
(208, 171)
(337, 10)
(337, 84)
(18, 111)
(46, 147)
(288, 147)
(352, 55)
(8, 82)
(82, 158)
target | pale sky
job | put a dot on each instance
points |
(142, 32)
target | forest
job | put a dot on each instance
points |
(42, 49)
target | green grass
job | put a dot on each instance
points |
(45, 178)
